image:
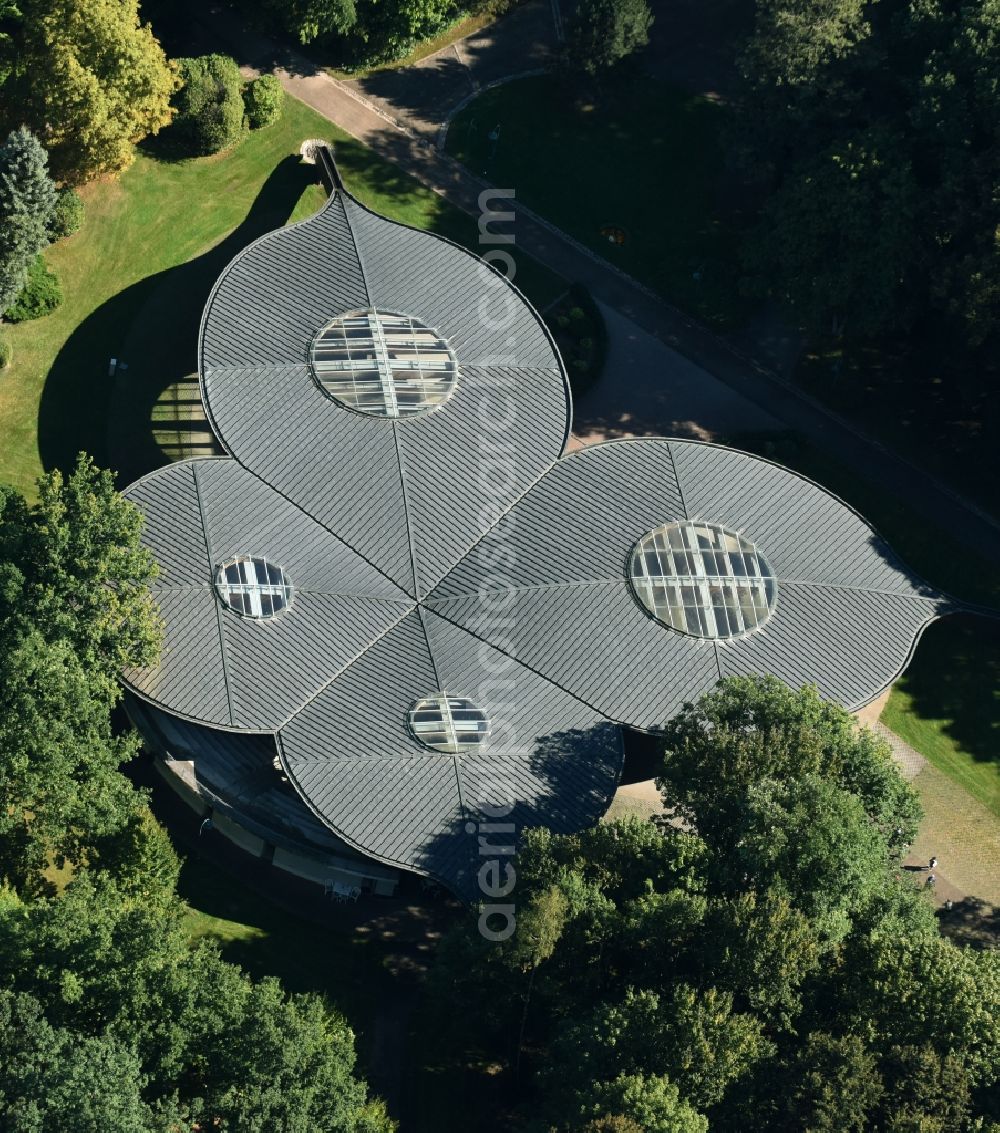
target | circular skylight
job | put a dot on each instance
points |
(450, 724)
(384, 364)
(253, 587)
(702, 579)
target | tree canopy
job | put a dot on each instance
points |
(89, 79)
(74, 610)
(757, 962)
(27, 208)
(209, 103)
(603, 32)
(308, 20)
(872, 128)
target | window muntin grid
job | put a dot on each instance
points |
(384, 364)
(702, 579)
(449, 724)
(253, 587)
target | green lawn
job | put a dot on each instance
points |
(266, 940)
(947, 704)
(136, 278)
(642, 156)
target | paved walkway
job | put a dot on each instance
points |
(426, 94)
(397, 142)
(668, 394)
(953, 882)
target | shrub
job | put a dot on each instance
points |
(6, 353)
(209, 104)
(263, 99)
(68, 215)
(40, 295)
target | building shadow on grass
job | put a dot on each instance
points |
(153, 327)
(955, 677)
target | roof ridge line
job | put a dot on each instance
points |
(406, 514)
(938, 596)
(466, 813)
(677, 480)
(343, 196)
(430, 649)
(524, 665)
(218, 607)
(527, 589)
(199, 588)
(343, 669)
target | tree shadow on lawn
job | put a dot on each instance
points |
(153, 327)
(972, 922)
(955, 677)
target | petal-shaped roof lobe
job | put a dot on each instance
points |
(223, 669)
(406, 494)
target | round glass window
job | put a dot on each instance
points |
(384, 364)
(449, 724)
(253, 587)
(702, 579)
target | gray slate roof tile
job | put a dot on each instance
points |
(850, 643)
(579, 522)
(275, 665)
(190, 679)
(172, 525)
(594, 640)
(300, 278)
(802, 530)
(398, 540)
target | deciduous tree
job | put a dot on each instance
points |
(74, 610)
(91, 80)
(654, 1104)
(314, 19)
(52, 1078)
